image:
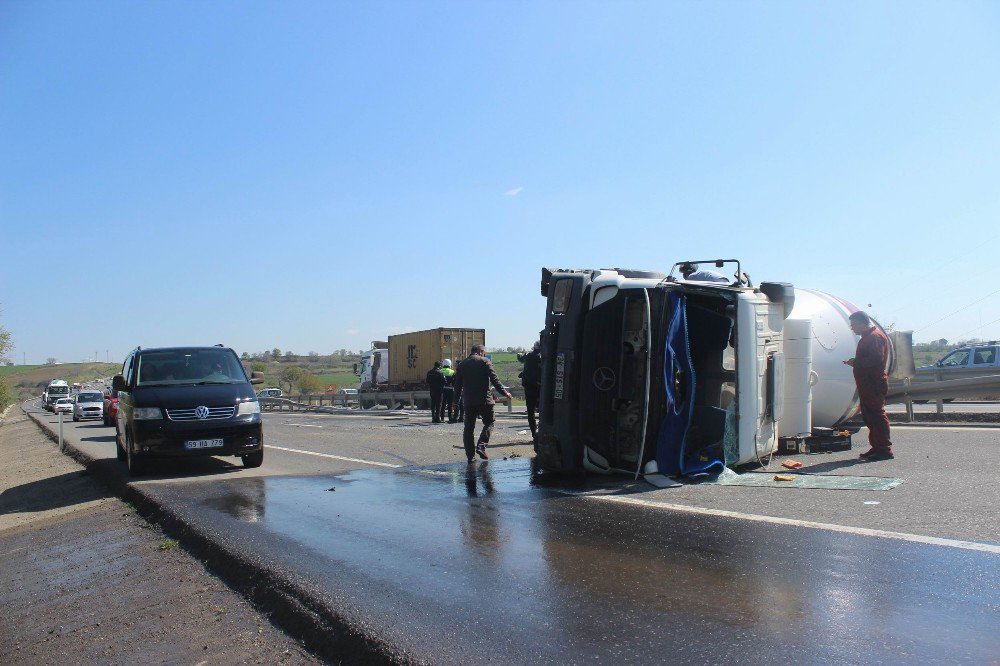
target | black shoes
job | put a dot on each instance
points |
(875, 455)
(481, 450)
(879, 455)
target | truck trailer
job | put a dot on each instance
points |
(403, 362)
(688, 373)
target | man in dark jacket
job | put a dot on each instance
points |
(869, 363)
(531, 380)
(435, 382)
(473, 381)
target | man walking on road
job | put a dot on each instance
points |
(473, 379)
(435, 382)
(869, 365)
(531, 380)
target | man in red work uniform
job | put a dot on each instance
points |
(869, 365)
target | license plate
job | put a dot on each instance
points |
(203, 444)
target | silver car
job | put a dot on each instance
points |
(88, 405)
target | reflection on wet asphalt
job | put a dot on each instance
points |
(461, 563)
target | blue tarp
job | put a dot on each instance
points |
(672, 456)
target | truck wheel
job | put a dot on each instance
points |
(252, 460)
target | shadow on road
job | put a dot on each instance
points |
(52, 493)
(832, 465)
(103, 438)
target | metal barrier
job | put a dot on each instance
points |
(940, 390)
(321, 402)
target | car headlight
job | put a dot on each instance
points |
(249, 407)
(147, 413)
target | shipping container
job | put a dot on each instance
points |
(411, 355)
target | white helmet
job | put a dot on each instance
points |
(447, 363)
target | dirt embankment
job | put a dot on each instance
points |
(85, 579)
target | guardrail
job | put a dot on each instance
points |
(970, 384)
(322, 402)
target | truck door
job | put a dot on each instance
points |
(558, 447)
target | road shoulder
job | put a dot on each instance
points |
(85, 579)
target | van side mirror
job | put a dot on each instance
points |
(118, 383)
(256, 377)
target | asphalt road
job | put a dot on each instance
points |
(495, 562)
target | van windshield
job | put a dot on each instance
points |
(89, 397)
(189, 366)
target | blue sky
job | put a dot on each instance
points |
(314, 176)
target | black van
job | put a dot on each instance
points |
(178, 402)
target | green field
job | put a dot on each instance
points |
(30, 380)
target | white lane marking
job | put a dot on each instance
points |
(327, 455)
(831, 527)
(945, 429)
(302, 425)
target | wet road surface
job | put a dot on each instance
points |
(458, 564)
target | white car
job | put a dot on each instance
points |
(62, 405)
(88, 405)
(347, 396)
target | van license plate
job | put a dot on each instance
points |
(203, 444)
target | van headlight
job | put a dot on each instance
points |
(147, 413)
(249, 407)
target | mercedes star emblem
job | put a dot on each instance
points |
(604, 379)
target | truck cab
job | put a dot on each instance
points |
(373, 370)
(685, 370)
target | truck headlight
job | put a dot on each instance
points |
(249, 407)
(147, 414)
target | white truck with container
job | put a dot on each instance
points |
(687, 374)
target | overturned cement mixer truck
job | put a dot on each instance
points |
(686, 374)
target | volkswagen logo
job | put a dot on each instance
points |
(201, 412)
(604, 378)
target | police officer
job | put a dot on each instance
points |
(448, 397)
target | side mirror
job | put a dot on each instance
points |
(118, 383)
(256, 377)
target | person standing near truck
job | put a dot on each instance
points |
(448, 397)
(531, 380)
(473, 379)
(869, 365)
(435, 382)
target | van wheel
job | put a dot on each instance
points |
(119, 450)
(136, 465)
(252, 460)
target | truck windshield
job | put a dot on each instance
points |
(189, 366)
(58, 390)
